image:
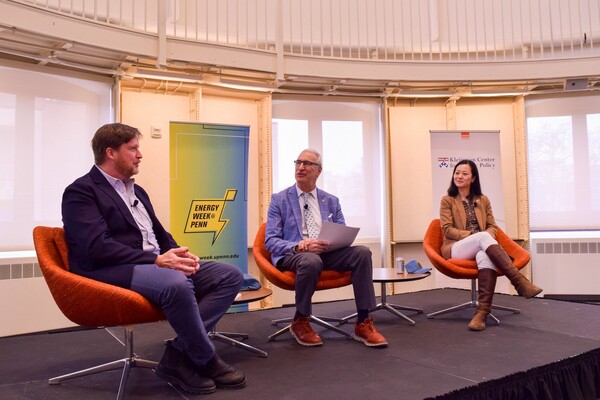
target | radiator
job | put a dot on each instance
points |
(567, 267)
(26, 304)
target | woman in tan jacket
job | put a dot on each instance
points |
(470, 234)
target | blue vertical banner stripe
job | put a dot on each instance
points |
(209, 191)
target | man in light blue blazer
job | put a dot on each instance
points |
(294, 220)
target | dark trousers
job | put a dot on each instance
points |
(308, 267)
(192, 305)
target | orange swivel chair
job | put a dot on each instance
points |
(285, 280)
(467, 269)
(92, 303)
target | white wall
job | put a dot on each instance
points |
(145, 110)
(36, 312)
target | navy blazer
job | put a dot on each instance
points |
(103, 238)
(284, 220)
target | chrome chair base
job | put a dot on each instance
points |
(473, 304)
(228, 337)
(321, 321)
(392, 308)
(127, 363)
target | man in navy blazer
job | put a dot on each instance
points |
(114, 236)
(294, 219)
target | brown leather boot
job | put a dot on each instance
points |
(503, 262)
(486, 283)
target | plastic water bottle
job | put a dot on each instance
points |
(399, 265)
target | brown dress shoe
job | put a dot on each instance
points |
(367, 333)
(303, 332)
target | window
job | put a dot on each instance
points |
(550, 142)
(292, 140)
(348, 136)
(46, 124)
(593, 131)
(346, 166)
(563, 141)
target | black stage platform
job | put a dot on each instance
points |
(551, 350)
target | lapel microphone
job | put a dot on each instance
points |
(306, 206)
(135, 203)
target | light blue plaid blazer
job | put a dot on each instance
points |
(284, 220)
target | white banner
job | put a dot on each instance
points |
(481, 147)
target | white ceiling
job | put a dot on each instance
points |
(140, 71)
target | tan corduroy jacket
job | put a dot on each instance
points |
(454, 220)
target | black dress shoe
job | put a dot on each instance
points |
(176, 368)
(224, 375)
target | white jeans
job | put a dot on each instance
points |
(473, 247)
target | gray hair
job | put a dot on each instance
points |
(316, 153)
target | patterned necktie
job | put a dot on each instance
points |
(311, 225)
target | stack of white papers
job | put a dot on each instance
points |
(337, 235)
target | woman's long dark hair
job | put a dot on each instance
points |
(475, 186)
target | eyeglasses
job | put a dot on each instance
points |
(305, 163)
